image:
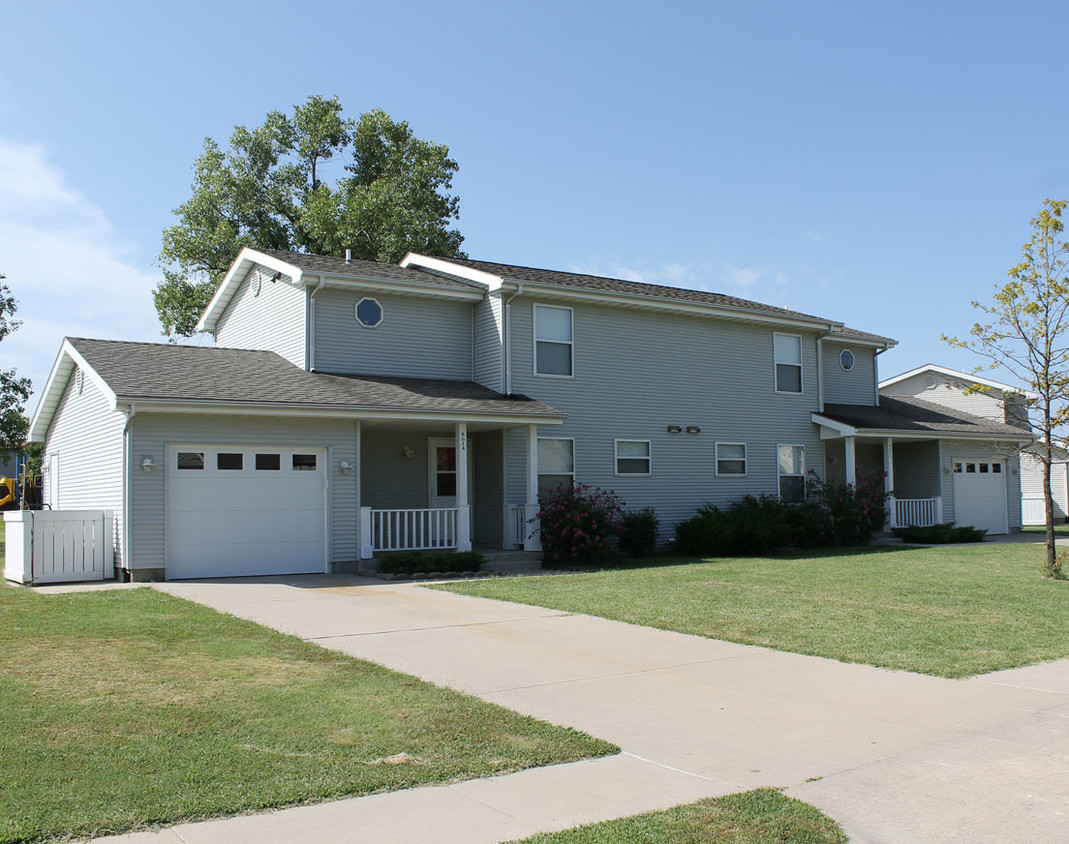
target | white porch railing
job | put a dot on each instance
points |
(429, 529)
(517, 524)
(916, 512)
(58, 546)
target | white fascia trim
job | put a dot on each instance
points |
(942, 435)
(246, 260)
(840, 428)
(444, 265)
(408, 287)
(222, 408)
(641, 302)
(884, 343)
(962, 376)
(67, 359)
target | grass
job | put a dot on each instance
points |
(1059, 530)
(120, 710)
(951, 611)
(762, 816)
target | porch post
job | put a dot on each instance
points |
(889, 479)
(532, 541)
(463, 508)
(851, 460)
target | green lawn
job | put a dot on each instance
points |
(131, 708)
(763, 816)
(1059, 530)
(952, 611)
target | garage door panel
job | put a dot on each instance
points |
(980, 497)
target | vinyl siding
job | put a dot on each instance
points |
(418, 337)
(858, 386)
(273, 321)
(949, 393)
(956, 449)
(86, 437)
(390, 480)
(917, 469)
(488, 360)
(488, 489)
(1032, 483)
(153, 432)
(638, 372)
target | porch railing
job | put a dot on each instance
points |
(916, 512)
(429, 529)
(59, 546)
(517, 514)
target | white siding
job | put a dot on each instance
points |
(858, 386)
(638, 372)
(272, 321)
(152, 433)
(86, 440)
(488, 361)
(949, 392)
(955, 449)
(418, 337)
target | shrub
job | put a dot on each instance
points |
(750, 527)
(941, 534)
(579, 523)
(417, 562)
(638, 532)
(853, 512)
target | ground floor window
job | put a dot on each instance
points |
(556, 464)
(791, 470)
(632, 457)
(730, 458)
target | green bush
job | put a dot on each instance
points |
(638, 532)
(579, 523)
(853, 513)
(417, 562)
(941, 534)
(752, 526)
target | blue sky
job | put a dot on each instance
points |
(876, 163)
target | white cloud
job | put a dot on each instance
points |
(65, 266)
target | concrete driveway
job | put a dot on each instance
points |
(894, 757)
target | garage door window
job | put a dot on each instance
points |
(304, 462)
(190, 460)
(229, 460)
(268, 462)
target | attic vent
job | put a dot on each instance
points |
(79, 381)
(930, 381)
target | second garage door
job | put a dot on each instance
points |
(238, 511)
(980, 494)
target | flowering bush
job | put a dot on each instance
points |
(854, 512)
(579, 523)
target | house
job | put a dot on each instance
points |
(350, 408)
(997, 402)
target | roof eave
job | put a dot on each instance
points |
(65, 363)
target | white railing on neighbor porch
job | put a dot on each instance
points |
(58, 546)
(414, 530)
(916, 512)
(517, 524)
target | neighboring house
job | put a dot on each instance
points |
(997, 402)
(350, 408)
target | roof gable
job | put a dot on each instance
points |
(957, 375)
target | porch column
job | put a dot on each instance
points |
(889, 479)
(463, 508)
(851, 460)
(532, 541)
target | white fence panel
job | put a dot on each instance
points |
(1032, 510)
(58, 546)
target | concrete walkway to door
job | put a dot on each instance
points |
(893, 756)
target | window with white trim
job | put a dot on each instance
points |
(553, 341)
(369, 313)
(632, 457)
(556, 464)
(731, 458)
(790, 467)
(788, 352)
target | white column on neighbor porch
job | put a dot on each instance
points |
(463, 507)
(532, 541)
(889, 479)
(850, 459)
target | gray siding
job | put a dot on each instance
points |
(488, 362)
(273, 321)
(392, 481)
(418, 337)
(488, 489)
(858, 386)
(917, 469)
(949, 392)
(86, 437)
(638, 372)
(153, 432)
(516, 466)
(957, 449)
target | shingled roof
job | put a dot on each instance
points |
(916, 416)
(368, 270)
(197, 374)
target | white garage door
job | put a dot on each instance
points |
(980, 494)
(236, 511)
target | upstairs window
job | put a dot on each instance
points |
(846, 360)
(791, 470)
(369, 313)
(553, 341)
(632, 457)
(788, 348)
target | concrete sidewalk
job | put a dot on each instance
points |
(894, 757)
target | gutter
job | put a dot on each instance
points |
(310, 352)
(506, 318)
(127, 493)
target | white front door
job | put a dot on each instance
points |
(980, 494)
(442, 472)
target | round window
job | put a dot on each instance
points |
(368, 313)
(846, 360)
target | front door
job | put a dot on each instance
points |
(442, 472)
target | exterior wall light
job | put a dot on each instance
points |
(345, 466)
(693, 429)
(407, 452)
(147, 465)
(675, 429)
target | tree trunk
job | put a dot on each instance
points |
(1051, 567)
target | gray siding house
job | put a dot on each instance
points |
(350, 408)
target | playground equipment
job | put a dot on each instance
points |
(7, 490)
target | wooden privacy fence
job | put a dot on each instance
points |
(58, 546)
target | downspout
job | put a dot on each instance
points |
(311, 356)
(128, 480)
(507, 320)
(820, 374)
(876, 373)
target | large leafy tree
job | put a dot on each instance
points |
(1026, 331)
(268, 190)
(14, 391)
